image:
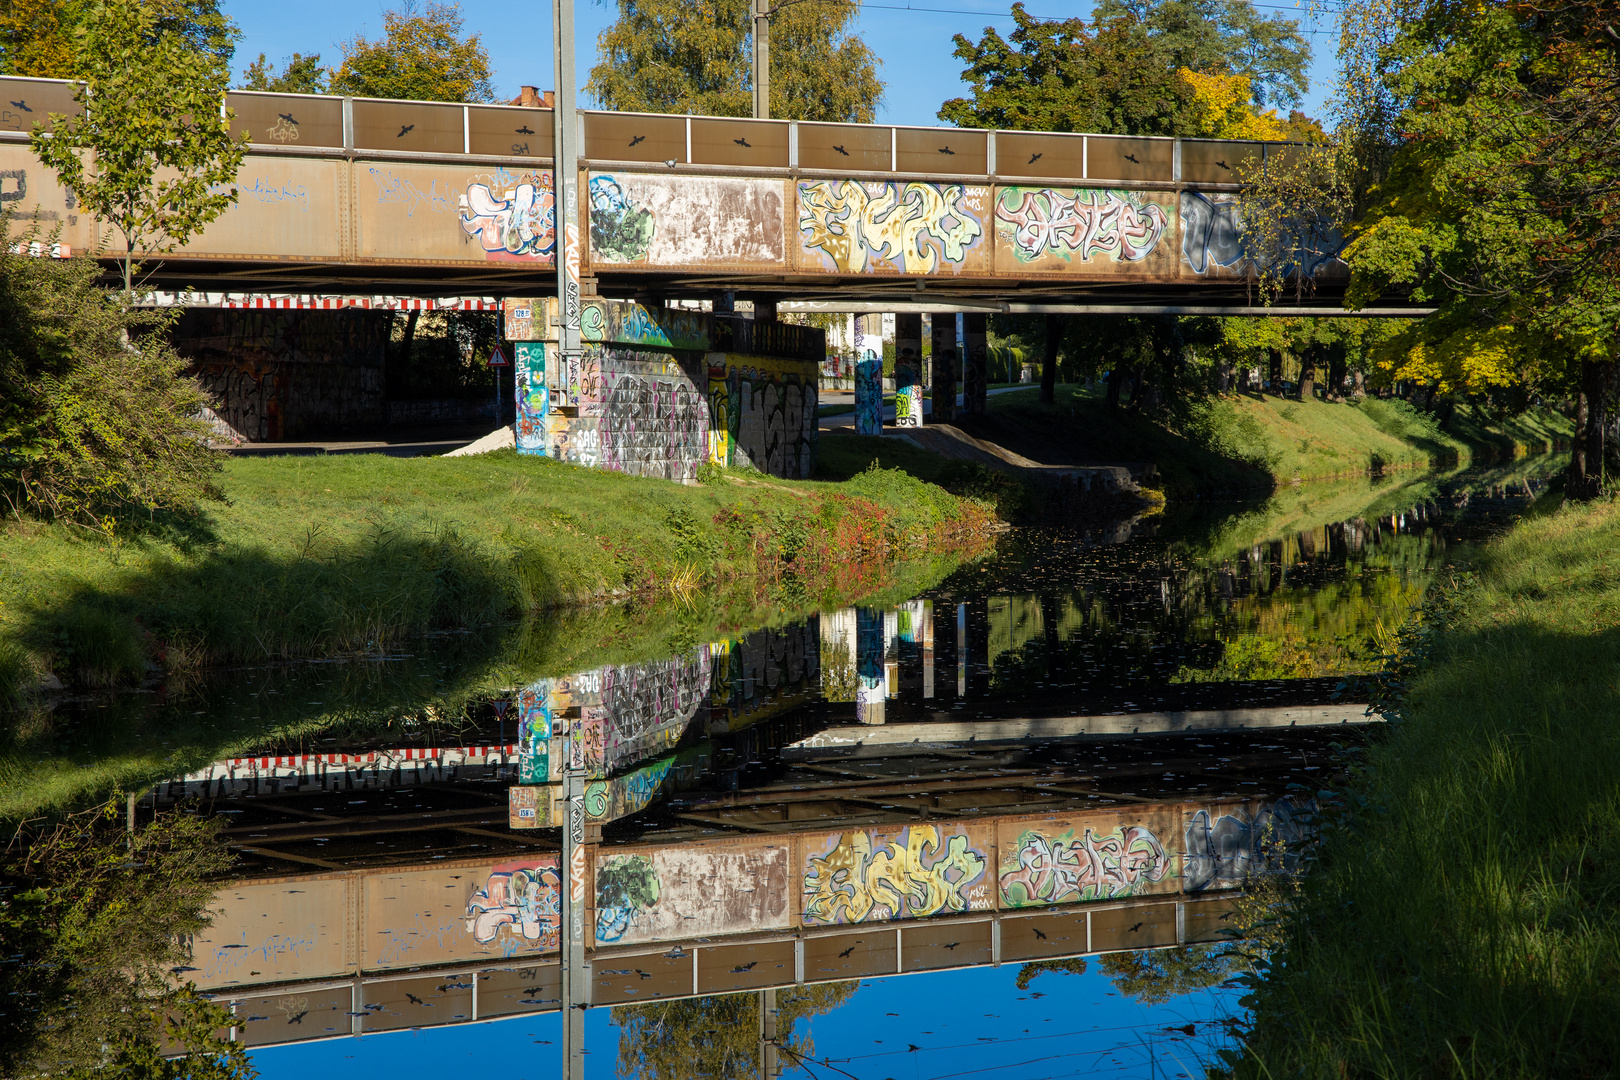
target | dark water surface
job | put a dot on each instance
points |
(995, 829)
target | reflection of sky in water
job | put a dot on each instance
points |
(972, 1022)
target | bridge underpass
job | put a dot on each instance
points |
(350, 195)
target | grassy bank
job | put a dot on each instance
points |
(1248, 443)
(326, 555)
(1464, 916)
(77, 753)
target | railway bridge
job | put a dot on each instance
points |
(349, 194)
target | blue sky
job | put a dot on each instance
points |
(914, 44)
(972, 1022)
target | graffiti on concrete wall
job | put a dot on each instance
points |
(651, 424)
(613, 717)
(520, 903)
(1059, 226)
(275, 374)
(628, 323)
(855, 226)
(907, 873)
(1082, 862)
(512, 215)
(1226, 844)
(763, 674)
(682, 221)
(676, 893)
(869, 397)
(639, 412)
(768, 407)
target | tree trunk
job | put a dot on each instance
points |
(1223, 377)
(1274, 374)
(1307, 375)
(1049, 354)
(1335, 389)
(1116, 377)
(1591, 418)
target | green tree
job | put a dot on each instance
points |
(93, 920)
(673, 56)
(1120, 74)
(422, 56)
(717, 1036)
(1498, 203)
(92, 430)
(300, 75)
(44, 39)
(158, 150)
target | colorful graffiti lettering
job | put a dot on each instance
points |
(1086, 221)
(524, 897)
(620, 231)
(861, 879)
(1056, 870)
(512, 219)
(1225, 846)
(625, 887)
(911, 226)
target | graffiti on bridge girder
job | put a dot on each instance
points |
(512, 216)
(878, 875)
(1043, 868)
(1083, 223)
(858, 226)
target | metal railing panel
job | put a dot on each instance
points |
(291, 120)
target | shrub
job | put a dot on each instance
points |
(97, 422)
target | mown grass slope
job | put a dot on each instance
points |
(1241, 444)
(324, 555)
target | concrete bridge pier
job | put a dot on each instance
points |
(908, 402)
(944, 333)
(975, 363)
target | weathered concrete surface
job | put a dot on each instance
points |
(901, 738)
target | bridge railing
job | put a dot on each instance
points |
(371, 127)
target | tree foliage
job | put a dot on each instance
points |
(674, 56)
(716, 1036)
(92, 428)
(92, 923)
(1121, 74)
(45, 39)
(422, 56)
(1498, 202)
(150, 153)
(299, 75)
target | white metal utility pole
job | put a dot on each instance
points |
(762, 59)
(576, 984)
(566, 185)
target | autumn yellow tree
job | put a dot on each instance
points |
(422, 56)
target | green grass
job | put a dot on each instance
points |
(1250, 444)
(1464, 916)
(347, 553)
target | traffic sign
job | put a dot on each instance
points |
(497, 358)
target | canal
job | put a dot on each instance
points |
(1010, 825)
